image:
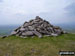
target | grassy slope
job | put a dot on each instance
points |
(47, 46)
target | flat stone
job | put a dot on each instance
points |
(22, 29)
(13, 33)
(53, 34)
(27, 33)
(23, 37)
(26, 24)
(37, 34)
(31, 28)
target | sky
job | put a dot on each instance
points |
(54, 11)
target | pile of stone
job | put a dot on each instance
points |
(37, 27)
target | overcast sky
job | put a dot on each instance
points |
(54, 11)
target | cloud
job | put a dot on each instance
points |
(70, 14)
(18, 11)
(71, 9)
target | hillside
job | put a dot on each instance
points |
(6, 30)
(46, 46)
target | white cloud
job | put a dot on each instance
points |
(18, 11)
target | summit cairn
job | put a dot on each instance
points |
(37, 27)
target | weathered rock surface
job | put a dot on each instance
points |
(37, 27)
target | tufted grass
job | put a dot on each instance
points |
(46, 46)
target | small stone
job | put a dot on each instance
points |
(23, 37)
(4, 36)
(53, 34)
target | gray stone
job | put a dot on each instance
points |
(37, 34)
(38, 18)
(26, 29)
(27, 33)
(53, 34)
(13, 33)
(40, 22)
(26, 24)
(35, 25)
(4, 36)
(22, 29)
(47, 35)
(17, 29)
(31, 28)
(23, 36)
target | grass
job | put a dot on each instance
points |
(46, 46)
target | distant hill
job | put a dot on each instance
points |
(6, 30)
(67, 27)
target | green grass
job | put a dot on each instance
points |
(46, 46)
